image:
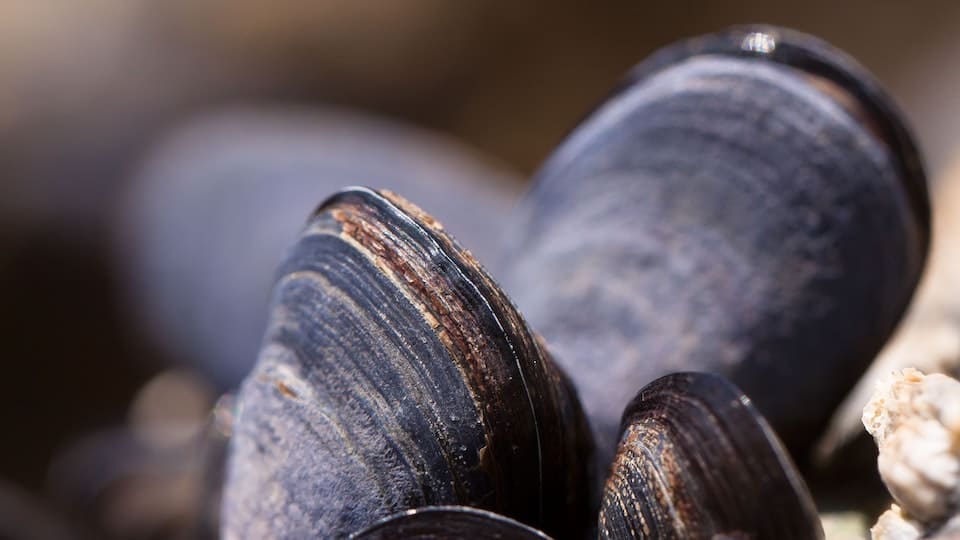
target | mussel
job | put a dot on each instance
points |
(449, 523)
(696, 460)
(748, 203)
(394, 374)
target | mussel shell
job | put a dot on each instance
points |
(394, 375)
(449, 522)
(696, 460)
(723, 212)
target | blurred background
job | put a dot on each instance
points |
(157, 157)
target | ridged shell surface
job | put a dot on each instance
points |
(696, 461)
(747, 204)
(394, 374)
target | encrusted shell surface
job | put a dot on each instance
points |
(915, 421)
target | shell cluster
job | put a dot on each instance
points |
(746, 216)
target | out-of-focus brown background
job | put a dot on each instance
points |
(88, 89)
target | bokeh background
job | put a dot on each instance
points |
(113, 111)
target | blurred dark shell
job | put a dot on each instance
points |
(207, 221)
(158, 476)
(22, 517)
(695, 461)
(746, 212)
(125, 488)
(394, 375)
(449, 522)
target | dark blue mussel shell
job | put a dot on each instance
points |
(394, 375)
(748, 203)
